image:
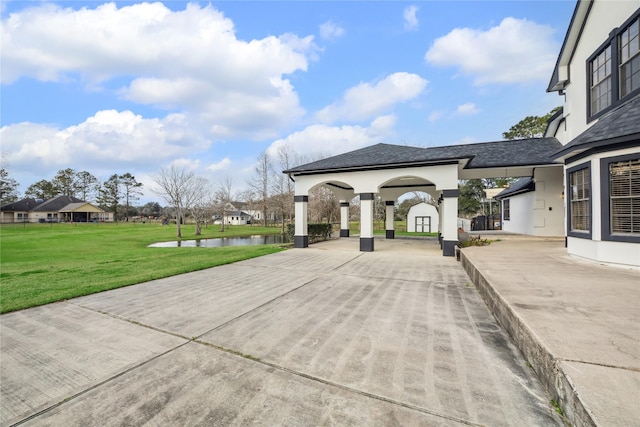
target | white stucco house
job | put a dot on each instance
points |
(423, 218)
(582, 179)
(598, 75)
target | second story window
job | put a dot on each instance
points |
(614, 69)
(629, 59)
(601, 81)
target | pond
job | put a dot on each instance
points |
(223, 241)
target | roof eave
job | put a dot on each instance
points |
(363, 168)
(560, 77)
(569, 151)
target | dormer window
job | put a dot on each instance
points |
(614, 70)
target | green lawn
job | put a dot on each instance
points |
(43, 263)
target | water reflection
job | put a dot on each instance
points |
(223, 241)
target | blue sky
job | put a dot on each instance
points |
(135, 87)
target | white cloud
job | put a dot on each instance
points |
(188, 60)
(467, 109)
(515, 51)
(368, 100)
(330, 140)
(110, 141)
(330, 30)
(220, 166)
(410, 19)
(435, 116)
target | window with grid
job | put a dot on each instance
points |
(629, 58)
(580, 182)
(506, 210)
(601, 81)
(614, 69)
(624, 192)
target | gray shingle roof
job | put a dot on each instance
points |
(24, 205)
(521, 152)
(56, 204)
(522, 185)
(618, 126)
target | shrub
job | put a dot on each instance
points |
(317, 232)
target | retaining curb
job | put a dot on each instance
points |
(542, 361)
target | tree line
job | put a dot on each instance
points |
(268, 191)
(109, 194)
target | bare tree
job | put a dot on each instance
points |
(224, 196)
(283, 187)
(202, 203)
(260, 184)
(177, 186)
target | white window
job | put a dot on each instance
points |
(601, 81)
(629, 43)
(579, 200)
(624, 196)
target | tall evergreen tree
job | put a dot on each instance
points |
(132, 190)
(42, 189)
(8, 187)
(110, 194)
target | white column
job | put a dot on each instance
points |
(344, 218)
(301, 237)
(366, 222)
(449, 222)
(389, 217)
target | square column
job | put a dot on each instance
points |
(301, 237)
(366, 222)
(449, 222)
(389, 217)
(344, 219)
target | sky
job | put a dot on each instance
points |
(135, 87)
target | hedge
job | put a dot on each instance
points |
(317, 232)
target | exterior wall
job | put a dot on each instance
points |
(604, 16)
(521, 211)
(539, 212)
(236, 220)
(443, 176)
(548, 213)
(595, 248)
(422, 209)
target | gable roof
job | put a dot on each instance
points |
(24, 205)
(81, 207)
(522, 152)
(522, 185)
(56, 204)
(619, 126)
(560, 76)
(237, 213)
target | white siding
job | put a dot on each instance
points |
(521, 208)
(604, 17)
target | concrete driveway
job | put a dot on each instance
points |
(325, 335)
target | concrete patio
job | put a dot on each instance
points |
(325, 335)
(329, 335)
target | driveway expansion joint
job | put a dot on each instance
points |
(337, 385)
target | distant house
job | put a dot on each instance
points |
(423, 218)
(234, 218)
(58, 209)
